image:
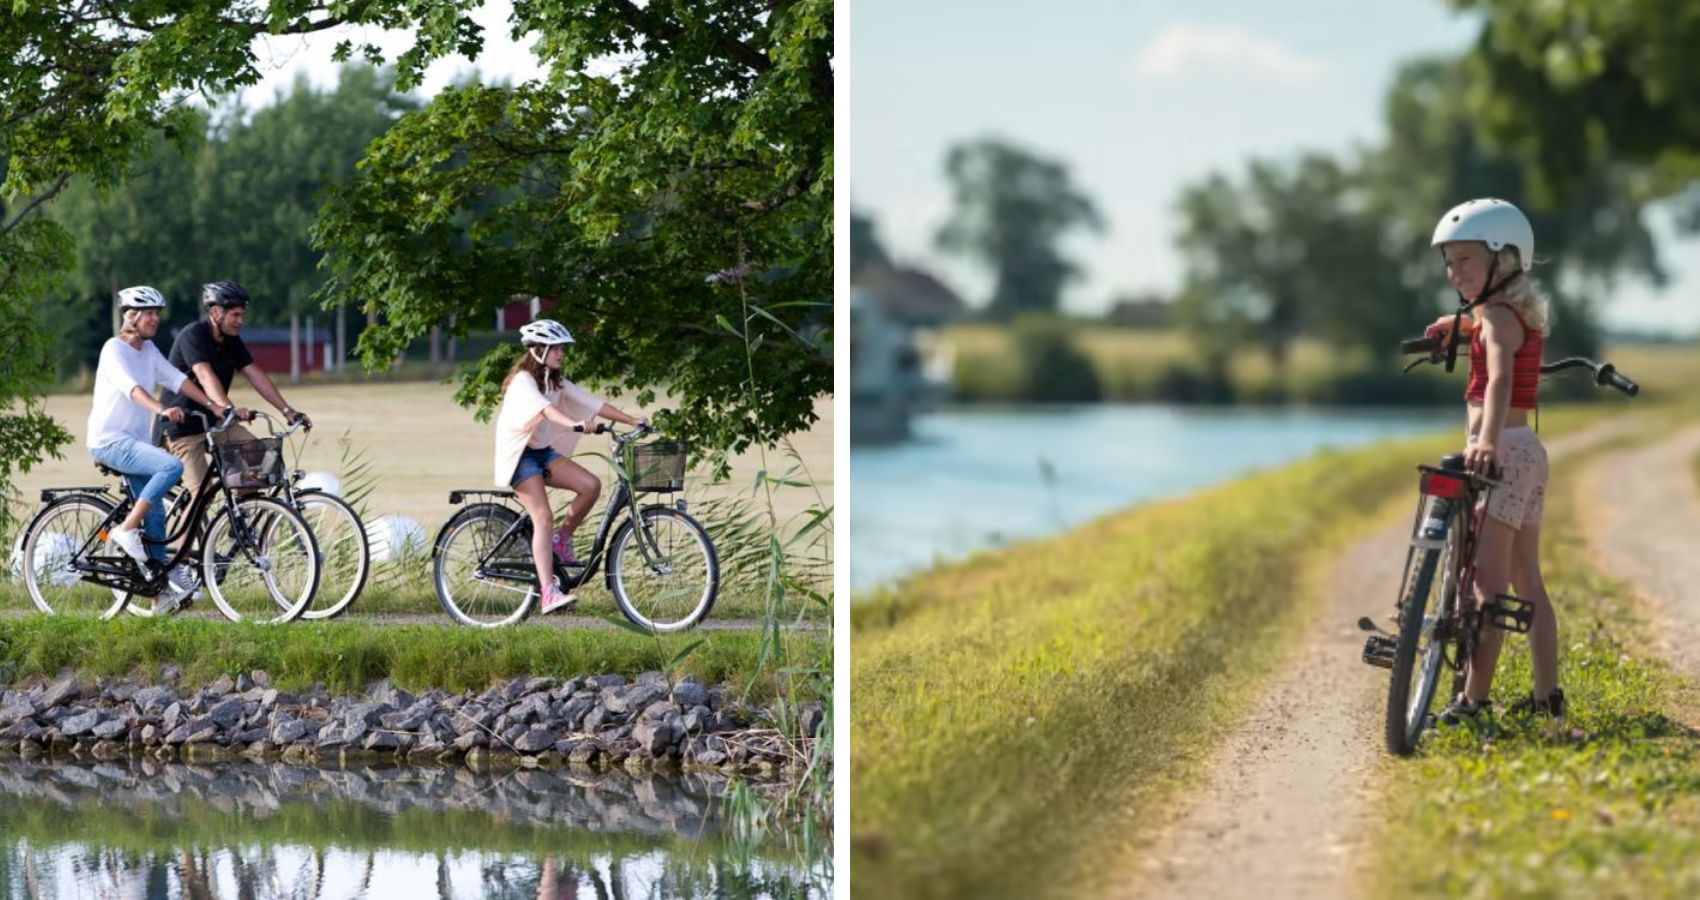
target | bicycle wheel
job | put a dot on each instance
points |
(665, 576)
(469, 541)
(259, 562)
(345, 556)
(176, 508)
(1421, 653)
(49, 550)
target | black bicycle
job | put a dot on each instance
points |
(1438, 626)
(257, 558)
(345, 558)
(661, 564)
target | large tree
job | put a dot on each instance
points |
(1012, 211)
(674, 211)
(1570, 85)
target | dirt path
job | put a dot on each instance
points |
(1646, 530)
(1287, 809)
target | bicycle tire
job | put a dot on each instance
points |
(1407, 712)
(666, 606)
(467, 598)
(258, 592)
(53, 587)
(345, 554)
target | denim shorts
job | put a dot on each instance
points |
(533, 461)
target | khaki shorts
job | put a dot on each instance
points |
(192, 450)
(1520, 496)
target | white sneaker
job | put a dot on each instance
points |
(128, 540)
(183, 583)
(167, 603)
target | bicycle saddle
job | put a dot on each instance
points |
(108, 470)
(1453, 463)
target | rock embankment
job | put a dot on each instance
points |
(598, 722)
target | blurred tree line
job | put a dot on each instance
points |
(1581, 112)
(233, 199)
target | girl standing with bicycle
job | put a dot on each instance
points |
(1489, 249)
(535, 437)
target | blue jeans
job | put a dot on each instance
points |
(533, 461)
(151, 472)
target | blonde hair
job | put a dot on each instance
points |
(1523, 294)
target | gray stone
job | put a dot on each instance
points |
(697, 720)
(169, 673)
(20, 709)
(355, 731)
(601, 682)
(406, 720)
(814, 714)
(583, 752)
(594, 719)
(61, 691)
(223, 685)
(330, 739)
(261, 678)
(227, 713)
(195, 731)
(121, 692)
(243, 683)
(80, 724)
(654, 738)
(535, 741)
(111, 729)
(288, 731)
(689, 693)
(512, 734)
(468, 740)
(173, 716)
(657, 711)
(153, 699)
(535, 707)
(151, 733)
(380, 740)
(537, 683)
(367, 713)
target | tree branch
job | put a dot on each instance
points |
(49, 194)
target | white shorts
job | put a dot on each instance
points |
(1520, 496)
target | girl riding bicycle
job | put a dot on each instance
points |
(1489, 248)
(535, 437)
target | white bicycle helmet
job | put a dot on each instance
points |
(140, 297)
(545, 332)
(1493, 222)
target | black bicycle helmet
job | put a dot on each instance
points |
(223, 293)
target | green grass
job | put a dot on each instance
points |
(1608, 806)
(347, 656)
(1015, 716)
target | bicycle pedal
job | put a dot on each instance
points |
(1379, 650)
(1508, 613)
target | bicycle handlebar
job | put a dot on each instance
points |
(1605, 374)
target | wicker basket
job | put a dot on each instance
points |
(657, 467)
(252, 464)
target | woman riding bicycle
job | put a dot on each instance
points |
(535, 437)
(120, 434)
(1489, 248)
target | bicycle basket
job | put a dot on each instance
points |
(252, 464)
(658, 466)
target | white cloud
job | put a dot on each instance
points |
(1183, 50)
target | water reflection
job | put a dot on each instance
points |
(146, 829)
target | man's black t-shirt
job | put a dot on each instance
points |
(195, 344)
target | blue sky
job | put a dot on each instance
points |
(1140, 99)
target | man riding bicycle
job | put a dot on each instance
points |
(212, 351)
(130, 367)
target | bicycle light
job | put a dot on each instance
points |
(1438, 485)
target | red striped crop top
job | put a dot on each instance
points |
(1525, 368)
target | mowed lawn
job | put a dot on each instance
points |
(419, 445)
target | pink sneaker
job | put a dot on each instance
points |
(554, 598)
(563, 547)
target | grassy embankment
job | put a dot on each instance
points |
(1015, 716)
(347, 656)
(1608, 806)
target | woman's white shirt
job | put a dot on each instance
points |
(115, 413)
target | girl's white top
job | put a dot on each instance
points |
(520, 423)
(116, 414)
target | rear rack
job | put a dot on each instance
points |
(48, 494)
(457, 496)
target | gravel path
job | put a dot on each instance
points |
(1646, 530)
